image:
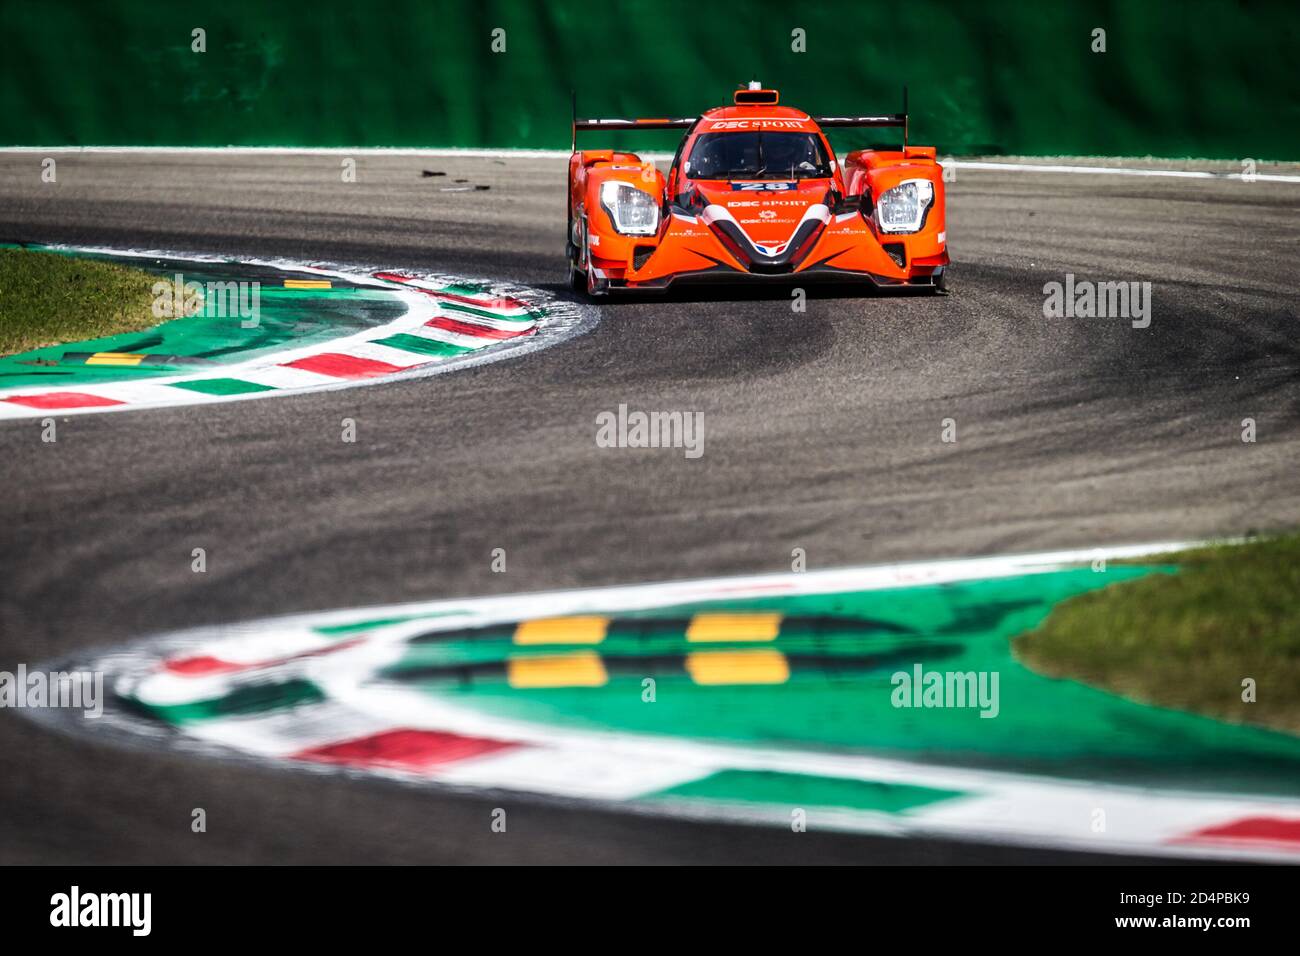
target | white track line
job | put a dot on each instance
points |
(472, 153)
(1115, 171)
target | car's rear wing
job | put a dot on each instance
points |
(685, 122)
(889, 119)
(682, 123)
(898, 120)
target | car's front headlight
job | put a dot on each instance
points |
(902, 209)
(634, 212)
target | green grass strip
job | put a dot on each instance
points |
(1191, 641)
(48, 299)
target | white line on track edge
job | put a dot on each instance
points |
(489, 153)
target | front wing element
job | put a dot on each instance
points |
(707, 247)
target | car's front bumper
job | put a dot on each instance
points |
(847, 249)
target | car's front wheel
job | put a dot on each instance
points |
(582, 277)
(577, 278)
(576, 251)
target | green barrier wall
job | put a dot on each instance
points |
(1203, 78)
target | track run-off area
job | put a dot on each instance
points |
(822, 433)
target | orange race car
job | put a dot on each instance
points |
(755, 191)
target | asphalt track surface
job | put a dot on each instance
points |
(822, 431)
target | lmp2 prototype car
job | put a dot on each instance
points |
(755, 191)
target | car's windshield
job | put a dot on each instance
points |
(758, 155)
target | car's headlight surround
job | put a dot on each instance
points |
(902, 208)
(634, 212)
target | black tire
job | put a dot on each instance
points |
(592, 286)
(577, 277)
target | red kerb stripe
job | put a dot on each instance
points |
(199, 666)
(478, 331)
(1250, 830)
(404, 749)
(343, 366)
(63, 400)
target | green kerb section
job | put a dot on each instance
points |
(805, 790)
(344, 630)
(246, 701)
(843, 652)
(838, 691)
(423, 346)
(526, 319)
(223, 386)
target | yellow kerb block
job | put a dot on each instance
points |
(115, 358)
(738, 667)
(562, 630)
(734, 627)
(579, 669)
